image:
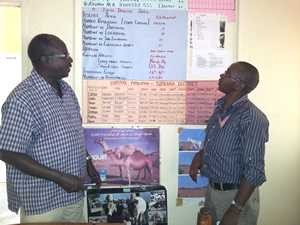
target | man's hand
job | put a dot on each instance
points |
(231, 216)
(195, 166)
(33, 168)
(70, 183)
(194, 171)
(93, 174)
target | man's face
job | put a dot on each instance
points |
(231, 80)
(58, 62)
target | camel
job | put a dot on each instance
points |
(128, 156)
(121, 151)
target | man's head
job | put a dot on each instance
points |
(49, 56)
(239, 77)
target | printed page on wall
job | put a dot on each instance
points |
(209, 57)
(150, 102)
(134, 44)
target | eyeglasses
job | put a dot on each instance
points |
(58, 56)
(237, 78)
(234, 76)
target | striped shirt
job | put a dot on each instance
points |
(236, 150)
(37, 122)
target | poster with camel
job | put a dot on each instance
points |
(124, 156)
(190, 142)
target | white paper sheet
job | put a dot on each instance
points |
(208, 64)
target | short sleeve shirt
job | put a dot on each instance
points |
(40, 124)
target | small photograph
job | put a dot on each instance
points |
(187, 188)
(157, 217)
(222, 34)
(191, 139)
(222, 40)
(222, 26)
(137, 208)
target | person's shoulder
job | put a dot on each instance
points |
(67, 87)
(23, 92)
(253, 113)
(65, 84)
(68, 91)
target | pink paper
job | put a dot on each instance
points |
(222, 7)
(153, 102)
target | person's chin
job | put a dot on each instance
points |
(219, 86)
(66, 74)
(220, 89)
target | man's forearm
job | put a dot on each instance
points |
(29, 166)
(244, 193)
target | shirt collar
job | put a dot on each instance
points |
(43, 86)
(232, 108)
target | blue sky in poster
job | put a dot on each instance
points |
(194, 134)
(185, 158)
(184, 181)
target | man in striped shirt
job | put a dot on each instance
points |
(234, 148)
(42, 141)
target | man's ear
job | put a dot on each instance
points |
(239, 86)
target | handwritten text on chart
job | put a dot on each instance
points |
(153, 102)
(152, 4)
(134, 44)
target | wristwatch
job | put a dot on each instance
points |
(236, 205)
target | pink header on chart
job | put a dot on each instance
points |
(223, 7)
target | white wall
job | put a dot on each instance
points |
(269, 37)
(10, 55)
(269, 32)
(47, 16)
(10, 70)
